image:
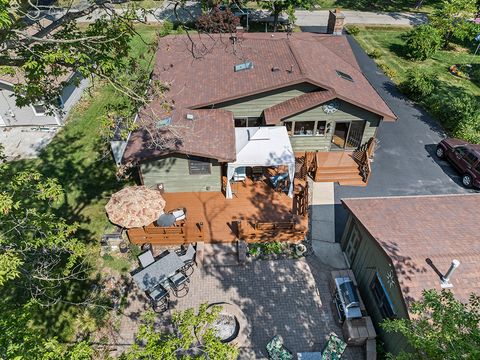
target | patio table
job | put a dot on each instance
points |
(159, 271)
(166, 220)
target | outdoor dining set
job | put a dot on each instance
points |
(165, 275)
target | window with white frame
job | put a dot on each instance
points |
(306, 128)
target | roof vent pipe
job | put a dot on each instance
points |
(446, 278)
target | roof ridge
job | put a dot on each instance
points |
(300, 64)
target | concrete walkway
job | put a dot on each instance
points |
(322, 225)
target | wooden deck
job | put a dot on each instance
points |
(254, 202)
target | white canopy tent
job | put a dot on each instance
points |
(262, 146)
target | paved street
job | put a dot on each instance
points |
(192, 9)
(405, 162)
(320, 18)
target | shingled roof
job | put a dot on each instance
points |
(295, 105)
(412, 229)
(210, 134)
(199, 73)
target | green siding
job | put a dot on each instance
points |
(172, 171)
(254, 105)
(346, 112)
(368, 260)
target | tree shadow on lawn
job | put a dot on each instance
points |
(88, 179)
(399, 50)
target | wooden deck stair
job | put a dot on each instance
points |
(338, 167)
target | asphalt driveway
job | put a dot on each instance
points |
(405, 162)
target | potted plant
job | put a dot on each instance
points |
(300, 249)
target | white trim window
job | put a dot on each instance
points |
(306, 128)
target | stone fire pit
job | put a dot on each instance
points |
(231, 324)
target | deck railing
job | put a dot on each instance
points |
(172, 235)
(301, 201)
(257, 231)
(363, 156)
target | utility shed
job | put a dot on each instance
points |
(399, 246)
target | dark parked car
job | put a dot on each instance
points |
(464, 156)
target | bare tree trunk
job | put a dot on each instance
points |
(275, 20)
(418, 4)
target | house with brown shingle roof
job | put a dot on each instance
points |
(310, 84)
(399, 246)
(37, 115)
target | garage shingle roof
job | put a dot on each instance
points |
(412, 229)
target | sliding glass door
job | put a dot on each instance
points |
(348, 134)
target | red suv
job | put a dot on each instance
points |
(464, 156)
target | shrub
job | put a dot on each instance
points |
(352, 29)
(464, 32)
(166, 29)
(422, 42)
(218, 21)
(387, 70)
(375, 54)
(418, 85)
(460, 114)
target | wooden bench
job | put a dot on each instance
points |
(270, 231)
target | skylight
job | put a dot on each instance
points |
(344, 76)
(247, 65)
(163, 122)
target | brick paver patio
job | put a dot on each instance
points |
(285, 297)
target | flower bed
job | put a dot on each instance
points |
(275, 250)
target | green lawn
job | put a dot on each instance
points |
(389, 43)
(81, 161)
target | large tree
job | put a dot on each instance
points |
(279, 6)
(193, 338)
(40, 54)
(440, 327)
(450, 15)
(38, 250)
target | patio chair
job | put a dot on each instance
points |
(179, 284)
(188, 259)
(277, 351)
(159, 298)
(146, 258)
(180, 214)
(278, 181)
(334, 348)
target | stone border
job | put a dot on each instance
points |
(244, 328)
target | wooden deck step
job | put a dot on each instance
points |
(338, 170)
(337, 177)
(359, 182)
